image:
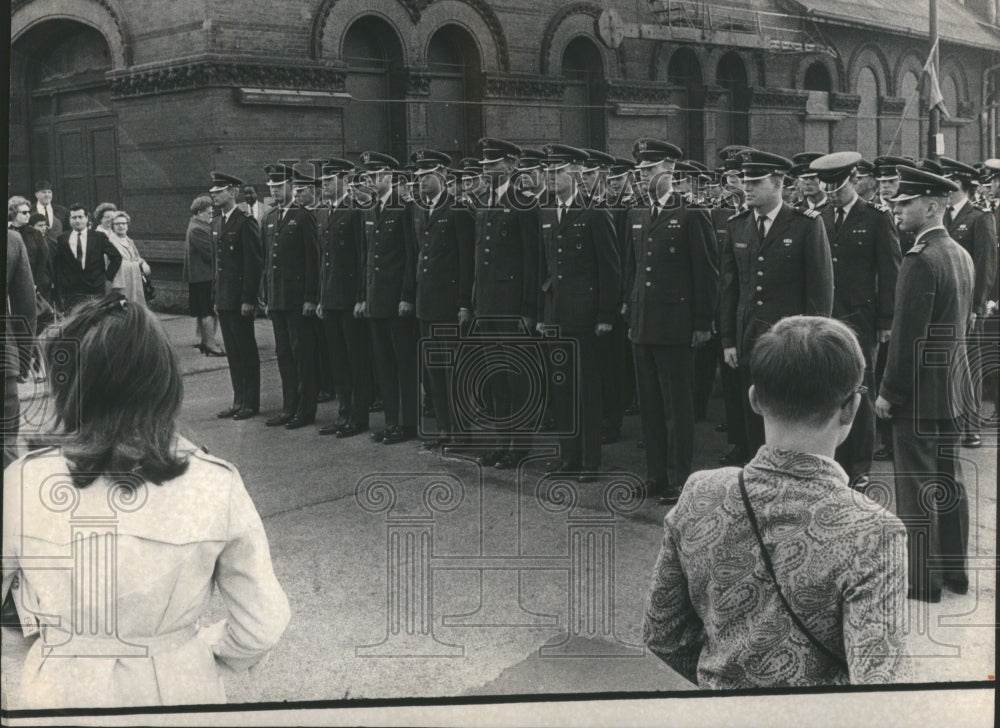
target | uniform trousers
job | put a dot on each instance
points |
(883, 427)
(325, 375)
(437, 377)
(855, 454)
(614, 374)
(706, 361)
(666, 381)
(349, 345)
(578, 403)
(753, 423)
(394, 342)
(931, 502)
(295, 349)
(732, 398)
(507, 388)
(243, 357)
(980, 349)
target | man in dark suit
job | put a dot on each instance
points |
(292, 271)
(506, 281)
(238, 261)
(56, 216)
(390, 294)
(445, 267)
(775, 264)
(924, 401)
(865, 253)
(342, 249)
(580, 293)
(671, 284)
(975, 230)
(79, 271)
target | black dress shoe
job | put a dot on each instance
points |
(610, 436)
(377, 435)
(209, 351)
(656, 487)
(972, 440)
(883, 453)
(733, 457)
(297, 422)
(958, 586)
(226, 413)
(561, 467)
(376, 406)
(632, 409)
(924, 596)
(330, 429)
(351, 429)
(722, 428)
(246, 413)
(279, 420)
(641, 444)
(670, 497)
(324, 397)
(490, 459)
(399, 434)
(507, 461)
(587, 477)
(435, 443)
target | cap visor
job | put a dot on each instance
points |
(649, 163)
(219, 188)
(903, 198)
(491, 161)
(755, 178)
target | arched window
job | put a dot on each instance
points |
(454, 120)
(685, 72)
(949, 90)
(868, 123)
(371, 121)
(910, 133)
(818, 78)
(583, 117)
(733, 122)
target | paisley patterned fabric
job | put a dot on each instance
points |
(714, 615)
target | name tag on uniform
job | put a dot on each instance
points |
(546, 224)
(739, 245)
(637, 227)
(962, 226)
(369, 222)
(787, 242)
(270, 224)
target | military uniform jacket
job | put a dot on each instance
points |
(291, 243)
(446, 260)
(927, 372)
(238, 260)
(390, 259)
(342, 251)
(975, 230)
(506, 256)
(866, 256)
(788, 273)
(672, 275)
(579, 268)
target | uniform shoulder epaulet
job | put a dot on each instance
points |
(879, 206)
(738, 215)
(982, 206)
(808, 213)
(916, 249)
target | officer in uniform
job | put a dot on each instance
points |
(865, 251)
(933, 310)
(975, 230)
(580, 293)
(867, 186)
(672, 280)
(506, 279)
(238, 261)
(342, 248)
(390, 297)
(292, 270)
(776, 263)
(445, 267)
(813, 196)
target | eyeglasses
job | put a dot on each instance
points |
(862, 389)
(24, 212)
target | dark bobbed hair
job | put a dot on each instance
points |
(805, 367)
(117, 390)
(78, 206)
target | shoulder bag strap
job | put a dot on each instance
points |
(770, 570)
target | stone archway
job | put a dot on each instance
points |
(454, 115)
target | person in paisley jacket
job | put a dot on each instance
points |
(714, 613)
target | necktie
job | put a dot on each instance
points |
(79, 248)
(838, 219)
(760, 226)
(948, 216)
(48, 214)
(655, 213)
(559, 212)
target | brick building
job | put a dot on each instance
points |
(135, 102)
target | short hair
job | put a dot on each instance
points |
(13, 203)
(43, 184)
(200, 203)
(78, 206)
(115, 406)
(250, 187)
(103, 208)
(122, 213)
(37, 217)
(805, 367)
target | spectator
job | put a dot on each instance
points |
(128, 280)
(715, 612)
(199, 274)
(56, 216)
(184, 525)
(41, 257)
(103, 216)
(83, 261)
(18, 332)
(19, 219)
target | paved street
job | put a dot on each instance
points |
(452, 580)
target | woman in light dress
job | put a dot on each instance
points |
(114, 605)
(128, 280)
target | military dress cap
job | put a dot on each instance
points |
(800, 170)
(277, 174)
(991, 169)
(732, 157)
(620, 167)
(650, 152)
(801, 162)
(375, 161)
(886, 168)
(697, 165)
(222, 182)
(865, 168)
(496, 150)
(530, 159)
(835, 169)
(428, 160)
(953, 169)
(931, 165)
(460, 173)
(598, 160)
(301, 179)
(333, 167)
(558, 156)
(915, 183)
(758, 165)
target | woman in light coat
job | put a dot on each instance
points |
(128, 280)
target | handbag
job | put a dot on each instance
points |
(840, 661)
(148, 289)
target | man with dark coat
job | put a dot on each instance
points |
(775, 264)
(79, 270)
(925, 386)
(18, 336)
(671, 284)
(238, 260)
(291, 269)
(865, 253)
(580, 293)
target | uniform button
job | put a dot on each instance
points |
(673, 250)
(760, 288)
(376, 268)
(834, 260)
(649, 267)
(487, 250)
(558, 250)
(649, 252)
(559, 277)
(760, 258)
(649, 283)
(760, 303)
(760, 272)
(487, 237)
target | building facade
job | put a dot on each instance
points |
(136, 102)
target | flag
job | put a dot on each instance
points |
(934, 96)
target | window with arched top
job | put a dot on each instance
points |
(818, 78)
(910, 132)
(583, 117)
(733, 121)
(868, 123)
(949, 90)
(688, 128)
(454, 121)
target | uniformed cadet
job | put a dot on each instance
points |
(529, 177)
(238, 261)
(312, 199)
(292, 270)
(776, 264)
(342, 249)
(445, 267)
(975, 230)
(926, 379)
(390, 297)
(865, 252)
(672, 280)
(813, 196)
(580, 292)
(867, 185)
(506, 281)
